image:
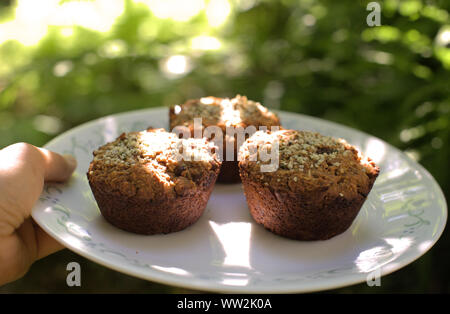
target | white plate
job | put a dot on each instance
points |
(225, 250)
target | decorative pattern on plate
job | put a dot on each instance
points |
(225, 250)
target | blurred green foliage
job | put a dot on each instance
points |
(316, 57)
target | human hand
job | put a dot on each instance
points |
(23, 170)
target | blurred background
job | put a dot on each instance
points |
(63, 63)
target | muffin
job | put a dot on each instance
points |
(315, 189)
(224, 113)
(152, 182)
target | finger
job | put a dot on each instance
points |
(36, 243)
(46, 245)
(57, 167)
(23, 169)
(21, 157)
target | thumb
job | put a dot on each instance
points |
(19, 159)
(23, 170)
(57, 167)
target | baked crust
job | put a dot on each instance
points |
(223, 112)
(318, 189)
(141, 186)
(162, 214)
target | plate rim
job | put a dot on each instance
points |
(202, 284)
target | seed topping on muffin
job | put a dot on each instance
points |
(301, 150)
(304, 155)
(317, 189)
(125, 164)
(224, 112)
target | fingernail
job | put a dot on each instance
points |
(71, 161)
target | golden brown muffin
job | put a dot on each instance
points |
(152, 182)
(317, 190)
(223, 112)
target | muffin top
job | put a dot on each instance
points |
(307, 162)
(152, 164)
(223, 112)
